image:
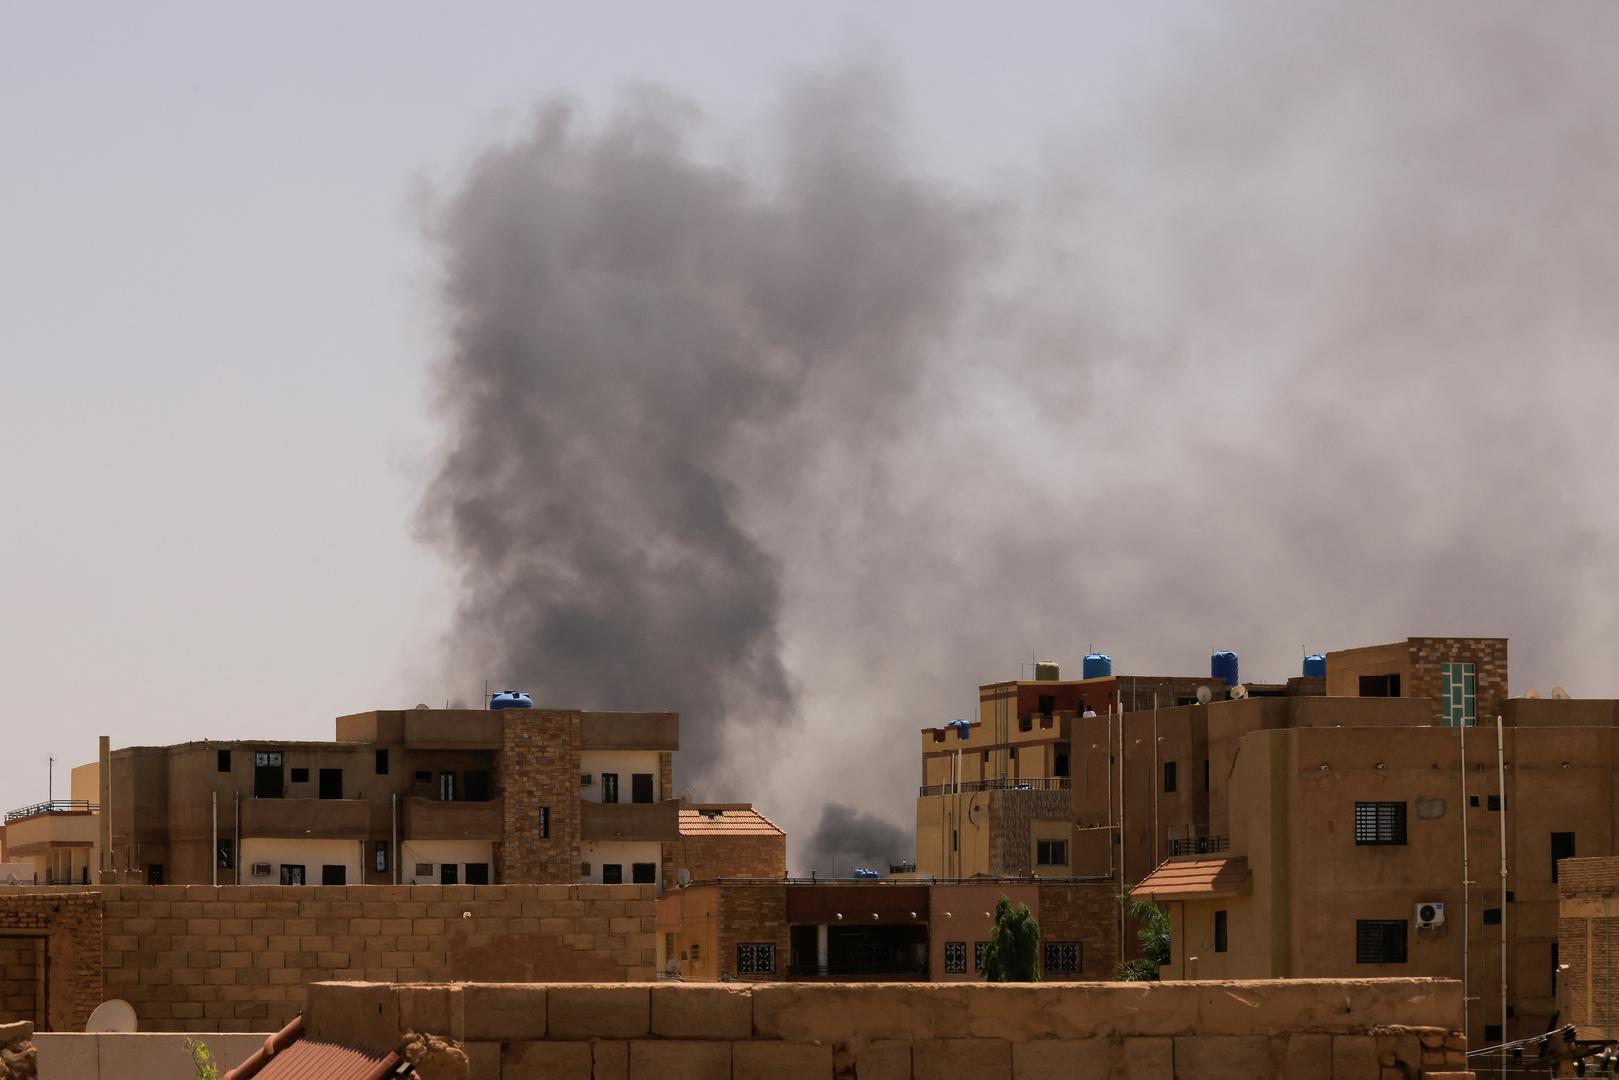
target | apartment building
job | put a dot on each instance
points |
(417, 796)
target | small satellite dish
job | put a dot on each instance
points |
(112, 1015)
(672, 968)
(1559, 693)
(685, 795)
(1239, 692)
(1204, 695)
(682, 877)
(1532, 694)
(421, 706)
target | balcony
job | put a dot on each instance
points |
(56, 806)
(317, 819)
(629, 821)
(1015, 783)
(1198, 845)
(52, 826)
(433, 819)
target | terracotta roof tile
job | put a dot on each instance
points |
(725, 819)
(1189, 878)
(309, 1060)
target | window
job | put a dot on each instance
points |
(1562, 848)
(612, 873)
(1492, 916)
(644, 873)
(423, 776)
(609, 787)
(1048, 704)
(382, 856)
(955, 840)
(449, 873)
(1059, 765)
(1012, 753)
(978, 955)
(1380, 941)
(545, 823)
(331, 783)
(641, 787)
(1458, 695)
(424, 869)
(334, 875)
(986, 757)
(292, 874)
(955, 958)
(1492, 1033)
(475, 785)
(1064, 957)
(224, 761)
(1380, 823)
(154, 874)
(266, 775)
(382, 762)
(300, 776)
(446, 787)
(226, 855)
(1025, 723)
(1051, 853)
(756, 958)
(1472, 800)
(1380, 685)
(1169, 777)
(477, 873)
(1493, 804)
(1219, 931)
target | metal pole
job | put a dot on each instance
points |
(1123, 873)
(1466, 1008)
(216, 837)
(1157, 793)
(236, 797)
(1501, 784)
(50, 779)
(396, 836)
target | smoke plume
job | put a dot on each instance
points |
(846, 839)
(1302, 338)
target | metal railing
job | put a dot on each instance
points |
(56, 806)
(1199, 845)
(1025, 783)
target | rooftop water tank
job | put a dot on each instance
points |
(963, 727)
(1315, 666)
(866, 874)
(511, 699)
(1223, 666)
(1097, 666)
(1046, 671)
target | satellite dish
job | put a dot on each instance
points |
(685, 795)
(672, 968)
(1204, 695)
(1532, 694)
(112, 1015)
(1239, 692)
(682, 877)
(1559, 693)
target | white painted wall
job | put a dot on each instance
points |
(145, 1056)
(436, 853)
(310, 854)
(623, 852)
(623, 762)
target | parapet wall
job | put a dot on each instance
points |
(1281, 1030)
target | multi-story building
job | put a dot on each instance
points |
(56, 842)
(416, 796)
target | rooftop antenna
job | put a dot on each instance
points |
(50, 779)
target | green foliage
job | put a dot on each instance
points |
(203, 1059)
(1152, 930)
(1013, 952)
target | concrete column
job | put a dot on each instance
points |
(820, 946)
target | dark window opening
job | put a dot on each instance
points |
(986, 757)
(1060, 763)
(423, 776)
(545, 823)
(1183, 700)
(1025, 723)
(756, 959)
(1051, 853)
(1472, 800)
(382, 856)
(331, 783)
(955, 958)
(1380, 941)
(226, 855)
(1219, 931)
(267, 777)
(641, 787)
(292, 874)
(1012, 753)
(979, 948)
(1492, 916)
(382, 762)
(300, 776)
(612, 873)
(955, 840)
(449, 874)
(1493, 803)
(1380, 685)
(446, 786)
(644, 873)
(1169, 777)
(1048, 704)
(1562, 848)
(1380, 823)
(334, 875)
(609, 787)
(1064, 958)
(154, 874)
(477, 873)
(224, 761)
(475, 785)
(1492, 1033)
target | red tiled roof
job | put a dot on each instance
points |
(725, 819)
(1181, 879)
(287, 1055)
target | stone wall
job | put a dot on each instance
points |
(1087, 913)
(1281, 1030)
(753, 915)
(1588, 942)
(539, 767)
(711, 857)
(69, 924)
(1010, 812)
(22, 970)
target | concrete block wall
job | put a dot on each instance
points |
(53, 955)
(1278, 1030)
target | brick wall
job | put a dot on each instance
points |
(539, 766)
(21, 971)
(1010, 813)
(753, 914)
(1588, 942)
(710, 857)
(70, 924)
(1085, 912)
(1488, 655)
(1279, 1030)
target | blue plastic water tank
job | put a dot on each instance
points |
(864, 873)
(511, 699)
(1223, 665)
(1097, 666)
(1315, 666)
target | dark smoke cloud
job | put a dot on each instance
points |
(846, 839)
(1304, 338)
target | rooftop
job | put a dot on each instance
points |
(725, 819)
(1183, 878)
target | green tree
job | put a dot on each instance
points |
(203, 1059)
(1013, 952)
(1152, 930)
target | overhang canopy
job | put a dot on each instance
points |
(1194, 879)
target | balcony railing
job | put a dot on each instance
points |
(56, 806)
(1199, 845)
(1023, 783)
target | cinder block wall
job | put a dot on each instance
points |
(1277, 1030)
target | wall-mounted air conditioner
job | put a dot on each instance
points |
(1430, 915)
(261, 869)
(585, 779)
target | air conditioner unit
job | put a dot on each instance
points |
(585, 779)
(1430, 915)
(584, 869)
(261, 869)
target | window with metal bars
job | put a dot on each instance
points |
(1380, 823)
(955, 958)
(1064, 957)
(1380, 941)
(755, 958)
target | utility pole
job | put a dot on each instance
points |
(50, 779)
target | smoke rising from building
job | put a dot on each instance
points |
(1304, 340)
